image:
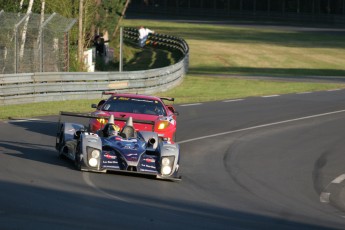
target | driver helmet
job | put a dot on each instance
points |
(112, 130)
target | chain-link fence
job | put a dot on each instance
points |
(34, 43)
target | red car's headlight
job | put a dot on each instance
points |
(163, 125)
(102, 120)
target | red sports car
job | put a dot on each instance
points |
(149, 113)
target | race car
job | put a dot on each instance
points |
(149, 113)
(114, 149)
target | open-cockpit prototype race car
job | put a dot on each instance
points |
(114, 149)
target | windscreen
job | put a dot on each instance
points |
(134, 105)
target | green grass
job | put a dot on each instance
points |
(226, 50)
(193, 89)
(149, 58)
(201, 89)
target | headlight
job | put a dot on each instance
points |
(93, 162)
(166, 170)
(102, 120)
(165, 161)
(167, 165)
(163, 124)
(93, 156)
(95, 153)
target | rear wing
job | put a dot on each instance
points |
(88, 115)
(167, 98)
(108, 93)
(114, 93)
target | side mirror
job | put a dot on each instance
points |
(98, 106)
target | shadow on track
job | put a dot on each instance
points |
(32, 207)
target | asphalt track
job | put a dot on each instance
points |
(274, 162)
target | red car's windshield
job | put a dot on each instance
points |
(134, 105)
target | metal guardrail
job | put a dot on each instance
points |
(161, 41)
(59, 86)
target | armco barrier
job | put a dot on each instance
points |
(59, 86)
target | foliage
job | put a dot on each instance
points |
(14, 6)
(99, 16)
(109, 13)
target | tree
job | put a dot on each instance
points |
(109, 13)
(98, 16)
(121, 16)
(28, 12)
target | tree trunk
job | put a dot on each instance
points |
(21, 52)
(122, 14)
(39, 38)
(43, 2)
(80, 36)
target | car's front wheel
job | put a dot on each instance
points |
(77, 159)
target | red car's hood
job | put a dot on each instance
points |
(135, 116)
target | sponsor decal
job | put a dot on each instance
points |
(111, 166)
(149, 160)
(131, 140)
(109, 156)
(142, 100)
(109, 162)
(148, 166)
(121, 98)
(132, 157)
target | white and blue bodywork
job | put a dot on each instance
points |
(144, 154)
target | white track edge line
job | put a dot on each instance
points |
(260, 126)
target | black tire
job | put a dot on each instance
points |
(59, 147)
(77, 160)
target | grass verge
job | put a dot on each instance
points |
(193, 89)
(260, 50)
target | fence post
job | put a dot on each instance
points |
(121, 46)
(66, 43)
(42, 41)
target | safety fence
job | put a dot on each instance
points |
(34, 43)
(59, 86)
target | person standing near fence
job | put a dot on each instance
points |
(143, 34)
(99, 43)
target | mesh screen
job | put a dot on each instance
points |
(29, 43)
